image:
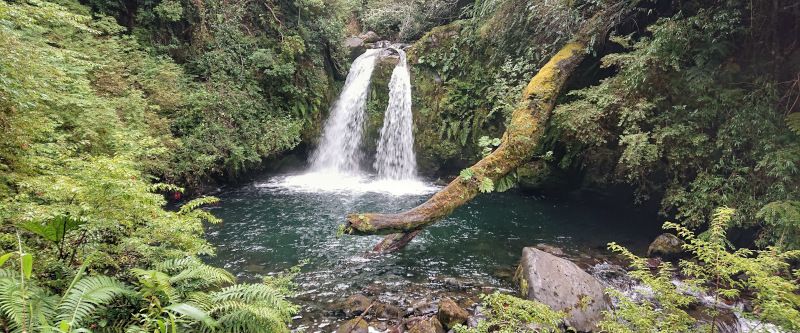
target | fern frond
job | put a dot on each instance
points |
(793, 121)
(174, 265)
(237, 316)
(199, 299)
(35, 302)
(87, 295)
(9, 273)
(247, 293)
(11, 302)
(206, 273)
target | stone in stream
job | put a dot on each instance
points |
(450, 314)
(355, 305)
(560, 284)
(551, 249)
(369, 37)
(348, 326)
(668, 246)
(424, 307)
(424, 325)
(387, 311)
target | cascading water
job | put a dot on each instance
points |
(338, 152)
(334, 165)
(395, 159)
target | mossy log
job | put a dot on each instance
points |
(517, 147)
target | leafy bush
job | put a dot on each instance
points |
(714, 271)
(512, 314)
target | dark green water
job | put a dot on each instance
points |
(268, 228)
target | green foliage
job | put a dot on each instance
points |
(793, 121)
(407, 19)
(507, 182)
(471, 72)
(693, 115)
(713, 270)
(486, 185)
(511, 314)
(28, 307)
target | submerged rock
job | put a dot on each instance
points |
(450, 314)
(668, 246)
(561, 285)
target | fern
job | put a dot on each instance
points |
(87, 295)
(12, 302)
(793, 121)
(251, 308)
(206, 273)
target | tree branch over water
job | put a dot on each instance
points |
(518, 144)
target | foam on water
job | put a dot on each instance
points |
(348, 184)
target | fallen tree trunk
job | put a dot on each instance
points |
(518, 144)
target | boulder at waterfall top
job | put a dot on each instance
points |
(562, 285)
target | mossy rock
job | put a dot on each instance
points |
(387, 311)
(355, 305)
(350, 326)
(425, 325)
(450, 314)
(667, 246)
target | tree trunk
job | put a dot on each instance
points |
(518, 144)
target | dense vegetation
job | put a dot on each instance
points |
(109, 110)
(101, 123)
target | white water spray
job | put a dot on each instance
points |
(338, 151)
(395, 159)
(335, 163)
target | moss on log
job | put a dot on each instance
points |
(518, 144)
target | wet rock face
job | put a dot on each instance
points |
(667, 246)
(450, 314)
(561, 284)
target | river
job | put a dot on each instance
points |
(270, 224)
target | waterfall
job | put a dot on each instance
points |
(335, 164)
(395, 159)
(338, 150)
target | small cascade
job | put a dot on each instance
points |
(395, 159)
(338, 150)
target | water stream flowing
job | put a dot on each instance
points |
(395, 158)
(269, 226)
(338, 151)
(335, 163)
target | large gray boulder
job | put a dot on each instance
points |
(562, 285)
